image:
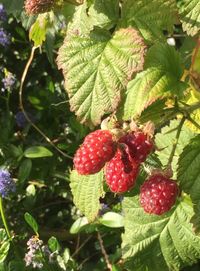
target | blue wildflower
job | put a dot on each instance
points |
(8, 81)
(5, 38)
(7, 184)
(3, 16)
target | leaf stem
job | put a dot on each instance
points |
(176, 141)
(21, 105)
(4, 219)
(81, 246)
(109, 266)
(193, 122)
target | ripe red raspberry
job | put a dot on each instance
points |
(120, 172)
(139, 145)
(158, 194)
(98, 148)
(33, 7)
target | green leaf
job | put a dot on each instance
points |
(78, 224)
(38, 30)
(24, 170)
(3, 235)
(13, 6)
(4, 249)
(167, 239)
(112, 220)
(161, 79)
(86, 192)
(104, 13)
(37, 152)
(94, 76)
(4, 245)
(151, 17)
(16, 265)
(166, 139)
(157, 113)
(189, 169)
(53, 244)
(190, 16)
(80, 21)
(32, 222)
(166, 58)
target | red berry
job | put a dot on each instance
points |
(38, 6)
(97, 148)
(120, 172)
(158, 194)
(139, 145)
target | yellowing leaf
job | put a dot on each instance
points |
(38, 30)
(192, 98)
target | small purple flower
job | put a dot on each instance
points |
(3, 16)
(5, 38)
(8, 81)
(20, 119)
(7, 184)
(37, 253)
(34, 255)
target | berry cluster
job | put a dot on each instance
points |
(121, 158)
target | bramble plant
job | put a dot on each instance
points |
(99, 142)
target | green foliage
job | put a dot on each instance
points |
(78, 224)
(94, 77)
(32, 222)
(128, 60)
(53, 244)
(4, 245)
(160, 79)
(150, 17)
(86, 191)
(24, 170)
(167, 138)
(189, 169)
(168, 239)
(38, 30)
(112, 220)
(189, 11)
(37, 152)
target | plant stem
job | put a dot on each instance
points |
(7, 228)
(109, 266)
(176, 140)
(193, 122)
(81, 246)
(21, 105)
(4, 219)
